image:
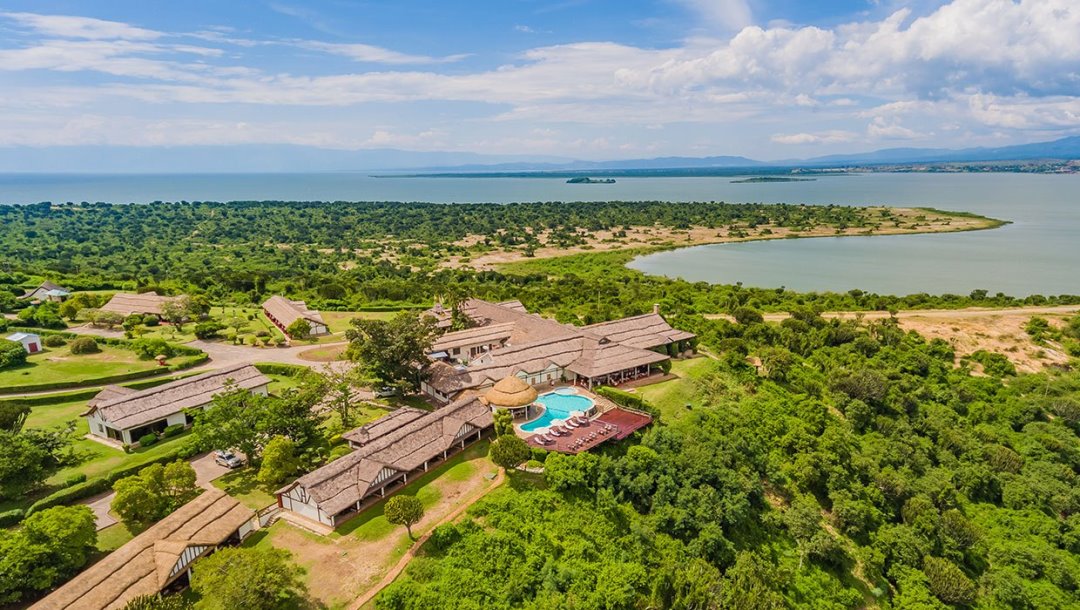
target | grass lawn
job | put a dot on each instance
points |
(243, 486)
(58, 365)
(329, 353)
(280, 383)
(372, 523)
(338, 321)
(114, 537)
(671, 397)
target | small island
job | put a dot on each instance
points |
(757, 179)
(587, 180)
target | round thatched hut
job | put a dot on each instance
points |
(513, 394)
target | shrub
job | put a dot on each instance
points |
(299, 329)
(150, 320)
(84, 345)
(148, 439)
(172, 430)
(148, 348)
(11, 353)
(11, 517)
(208, 329)
(75, 479)
(54, 341)
(262, 333)
(533, 464)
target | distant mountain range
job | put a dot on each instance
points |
(289, 158)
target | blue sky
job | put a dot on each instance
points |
(593, 79)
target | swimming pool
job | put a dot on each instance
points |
(558, 405)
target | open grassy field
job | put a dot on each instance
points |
(671, 397)
(243, 486)
(338, 321)
(59, 365)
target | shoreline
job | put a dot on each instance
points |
(499, 261)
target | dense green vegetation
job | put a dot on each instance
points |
(858, 467)
(351, 256)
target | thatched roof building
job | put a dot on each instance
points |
(283, 312)
(126, 304)
(124, 415)
(394, 446)
(155, 558)
(509, 393)
(509, 341)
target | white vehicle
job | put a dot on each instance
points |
(385, 392)
(227, 459)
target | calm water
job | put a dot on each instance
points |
(1035, 254)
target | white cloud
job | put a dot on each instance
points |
(968, 69)
(827, 137)
(67, 26)
(373, 54)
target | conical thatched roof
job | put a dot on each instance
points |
(510, 392)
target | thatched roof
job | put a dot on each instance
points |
(108, 393)
(536, 344)
(286, 312)
(479, 335)
(384, 425)
(645, 331)
(511, 392)
(350, 478)
(128, 410)
(44, 287)
(142, 566)
(126, 304)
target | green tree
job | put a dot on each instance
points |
(404, 510)
(299, 329)
(504, 422)
(31, 456)
(750, 583)
(154, 492)
(509, 451)
(49, 547)
(233, 420)
(948, 582)
(13, 415)
(279, 461)
(248, 578)
(393, 351)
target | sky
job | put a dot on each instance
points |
(584, 79)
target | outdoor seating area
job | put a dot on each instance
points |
(575, 435)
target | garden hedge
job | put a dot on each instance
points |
(628, 400)
(11, 517)
(280, 368)
(110, 379)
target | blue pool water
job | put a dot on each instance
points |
(557, 405)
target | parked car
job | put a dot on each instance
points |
(228, 459)
(385, 392)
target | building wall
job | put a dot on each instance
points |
(298, 501)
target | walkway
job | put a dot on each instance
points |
(396, 571)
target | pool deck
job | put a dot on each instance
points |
(614, 422)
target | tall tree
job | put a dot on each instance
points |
(249, 578)
(49, 547)
(404, 510)
(509, 451)
(393, 351)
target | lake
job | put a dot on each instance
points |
(1034, 254)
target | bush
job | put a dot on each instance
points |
(278, 368)
(11, 353)
(148, 439)
(172, 430)
(208, 329)
(75, 479)
(149, 348)
(262, 333)
(11, 517)
(150, 320)
(54, 341)
(84, 345)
